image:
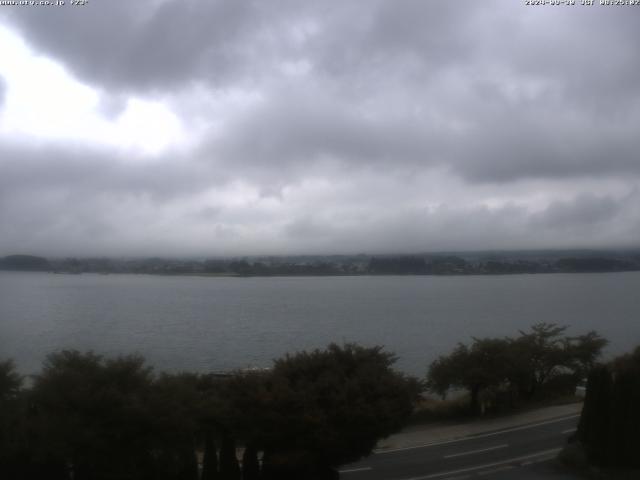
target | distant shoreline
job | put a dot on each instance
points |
(462, 264)
(303, 275)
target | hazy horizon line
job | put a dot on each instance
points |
(554, 250)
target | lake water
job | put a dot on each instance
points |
(204, 323)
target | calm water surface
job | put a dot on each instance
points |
(201, 323)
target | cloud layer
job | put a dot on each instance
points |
(223, 127)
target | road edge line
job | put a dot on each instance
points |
(487, 465)
(473, 437)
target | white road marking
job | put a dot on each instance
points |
(569, 430)
(488, 465)
(473, 437)
(476, 451)
(533, 462)
(496, 470)
(352, 470)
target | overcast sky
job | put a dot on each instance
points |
(162, 127)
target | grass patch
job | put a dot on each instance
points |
(431, 410)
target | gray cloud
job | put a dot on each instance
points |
(511, 226)
(302, 130)
(404, 125)
(87, 202)
(150, 44)
(585, 210)
(3, 88)
(85, 172)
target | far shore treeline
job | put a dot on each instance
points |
(89, 417)
(470, 263)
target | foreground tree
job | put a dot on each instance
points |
(539, 362)
(111, 419)
(88, 411)
(210, 457)
(610, 422)
(584, 352)
(10, 380)
(329, 407)
(250, 463)
(12, 422)
(483, 365)
(229, 467)
(542, 356)
(93, 418)
(174, 409)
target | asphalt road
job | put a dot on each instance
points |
(513, 453)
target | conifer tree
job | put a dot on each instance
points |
(250, 464)
(210, 458)
(229, 467)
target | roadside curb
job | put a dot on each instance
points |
(421, 436)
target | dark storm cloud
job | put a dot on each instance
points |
(151, 44)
